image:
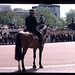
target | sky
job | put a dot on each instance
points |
(63, 7)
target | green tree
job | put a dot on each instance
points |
(11, 15)
(48, 15)
(20, 21)
(4, 20)
(69, 16)
(3, 13)
(23, 16)
(1, 20)
(61, 22)
(6, 16)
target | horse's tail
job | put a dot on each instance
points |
(18, 47)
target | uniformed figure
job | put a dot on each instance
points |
(56, 14)
(41, 19)
(72, 20)
(31, 24)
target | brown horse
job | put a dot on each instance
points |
(27, 40)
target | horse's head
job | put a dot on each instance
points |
(42, 28)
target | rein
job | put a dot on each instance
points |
(42, 29)
(38, 27)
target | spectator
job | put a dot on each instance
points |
(60, 36)
(47, 38)
(5, 38)
(69, 36)
(12, 38)
(52, 36)
(57, 37)
(72, 36)
(9, 38)
(66, 36)
(0, 38)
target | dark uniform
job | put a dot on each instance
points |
(31, 24)
(41, 19)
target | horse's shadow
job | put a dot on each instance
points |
(31, 70)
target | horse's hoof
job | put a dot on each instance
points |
(24, 70)
(34, 66)
(40, 66)
(19, 70)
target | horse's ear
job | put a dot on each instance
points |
(47, 25)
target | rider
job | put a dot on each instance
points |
(41, 19)
(31, 24)
(72, 20)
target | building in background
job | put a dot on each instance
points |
(5, 7)
(20, 11)
(17, 10)
(55, 9)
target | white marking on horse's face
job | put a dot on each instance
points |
(44, 27)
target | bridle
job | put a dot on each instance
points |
(42, 30)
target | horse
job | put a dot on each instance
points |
(25, 40)
(71, 26)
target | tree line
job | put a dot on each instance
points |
(11, 16)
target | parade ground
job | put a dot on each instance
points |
(56, 58)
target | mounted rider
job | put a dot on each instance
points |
(42, 19)
(31, 24)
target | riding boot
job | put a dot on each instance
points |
(40, 42)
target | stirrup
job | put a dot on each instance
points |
(41, 46)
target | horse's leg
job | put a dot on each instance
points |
(23, 53)
(40, 56)
(34, 56)
(19, 69)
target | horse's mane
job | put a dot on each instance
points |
(40, 27)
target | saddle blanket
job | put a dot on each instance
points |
(28, 33)
(36, 36)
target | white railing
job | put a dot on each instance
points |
(10, 30)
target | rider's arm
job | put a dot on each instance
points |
(26, 22)
(35, 21)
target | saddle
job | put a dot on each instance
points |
(36, 36)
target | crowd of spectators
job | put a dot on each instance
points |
(8, 38)
(52, 35)
(2, 27)
(55, 35)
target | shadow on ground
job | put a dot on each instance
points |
(31, 70)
